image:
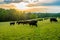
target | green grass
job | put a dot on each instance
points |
(44, 31)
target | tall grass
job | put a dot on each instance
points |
(44, 31)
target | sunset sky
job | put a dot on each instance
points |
(47, 5)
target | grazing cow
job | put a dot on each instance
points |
(21, 22)
(18, 22)
(33, 23)
(53, 20)
(25, 22)
(12, 23)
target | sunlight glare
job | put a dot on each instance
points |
(21, 5)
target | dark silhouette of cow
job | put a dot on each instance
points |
(21, 22)
(53, 20)
(18, 22)
(33, 23)
(12, 23)
(30, 22)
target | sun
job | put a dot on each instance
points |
(26, 5)
(21, 5)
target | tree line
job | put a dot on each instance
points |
(15, 15)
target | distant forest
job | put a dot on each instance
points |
(43, 15)
(15, 15)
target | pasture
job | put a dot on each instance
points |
(45, 31)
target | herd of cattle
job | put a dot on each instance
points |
(31, 22)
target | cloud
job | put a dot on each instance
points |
(41, 2)
(55, 3)
(1, 0)
(47, 1)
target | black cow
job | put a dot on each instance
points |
(18, 22)
(53, 20)
(22, 22)
(12, 23)
(25, 22)
(33, 23)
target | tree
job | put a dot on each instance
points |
(31, 15)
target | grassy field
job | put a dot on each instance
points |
(44, 31)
